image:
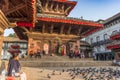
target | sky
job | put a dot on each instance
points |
(91, 10)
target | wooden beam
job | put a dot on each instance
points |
(4, 23)
(25, 29)
(66, 11)
(39, 5)
(6, 4)
(19, 13)
(20, 6)
(17, 19)
(63, 8)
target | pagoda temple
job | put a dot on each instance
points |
(44, 23)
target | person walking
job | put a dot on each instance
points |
(14, 68)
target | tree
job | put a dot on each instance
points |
(12, 35)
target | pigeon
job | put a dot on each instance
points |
(48, 76)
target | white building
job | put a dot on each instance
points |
(8, 41)
(101, 38)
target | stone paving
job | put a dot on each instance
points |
(53, 74)
(52, 67)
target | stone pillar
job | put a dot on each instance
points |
(1, 42)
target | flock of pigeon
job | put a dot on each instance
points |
(89, 73)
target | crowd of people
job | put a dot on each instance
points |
(37, 54)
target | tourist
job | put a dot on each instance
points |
(38, 54)
(14, 68)
(71, 54)
(43, 52)
(13, 64)
(31, 54)
(82, 55)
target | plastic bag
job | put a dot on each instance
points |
(3, 73)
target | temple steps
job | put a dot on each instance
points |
(56, 61)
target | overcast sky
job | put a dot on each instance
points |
(91, 10)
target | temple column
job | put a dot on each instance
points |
(61, 30)
(40, 5)
(51, 7)
(51, 29)
(57, 10)
(78, 44)
(52, 50)
(43, 28)
(79, 31)
(42, 44)
(1, 42)
(63, 7)
(46, 6)
(69, 30)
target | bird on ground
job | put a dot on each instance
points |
(48, 76)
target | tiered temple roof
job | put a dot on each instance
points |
(28, 14)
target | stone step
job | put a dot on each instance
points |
(65, 63)
(62, 61)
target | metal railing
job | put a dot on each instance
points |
(102, 42)
(115, 42)
(115, 34)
